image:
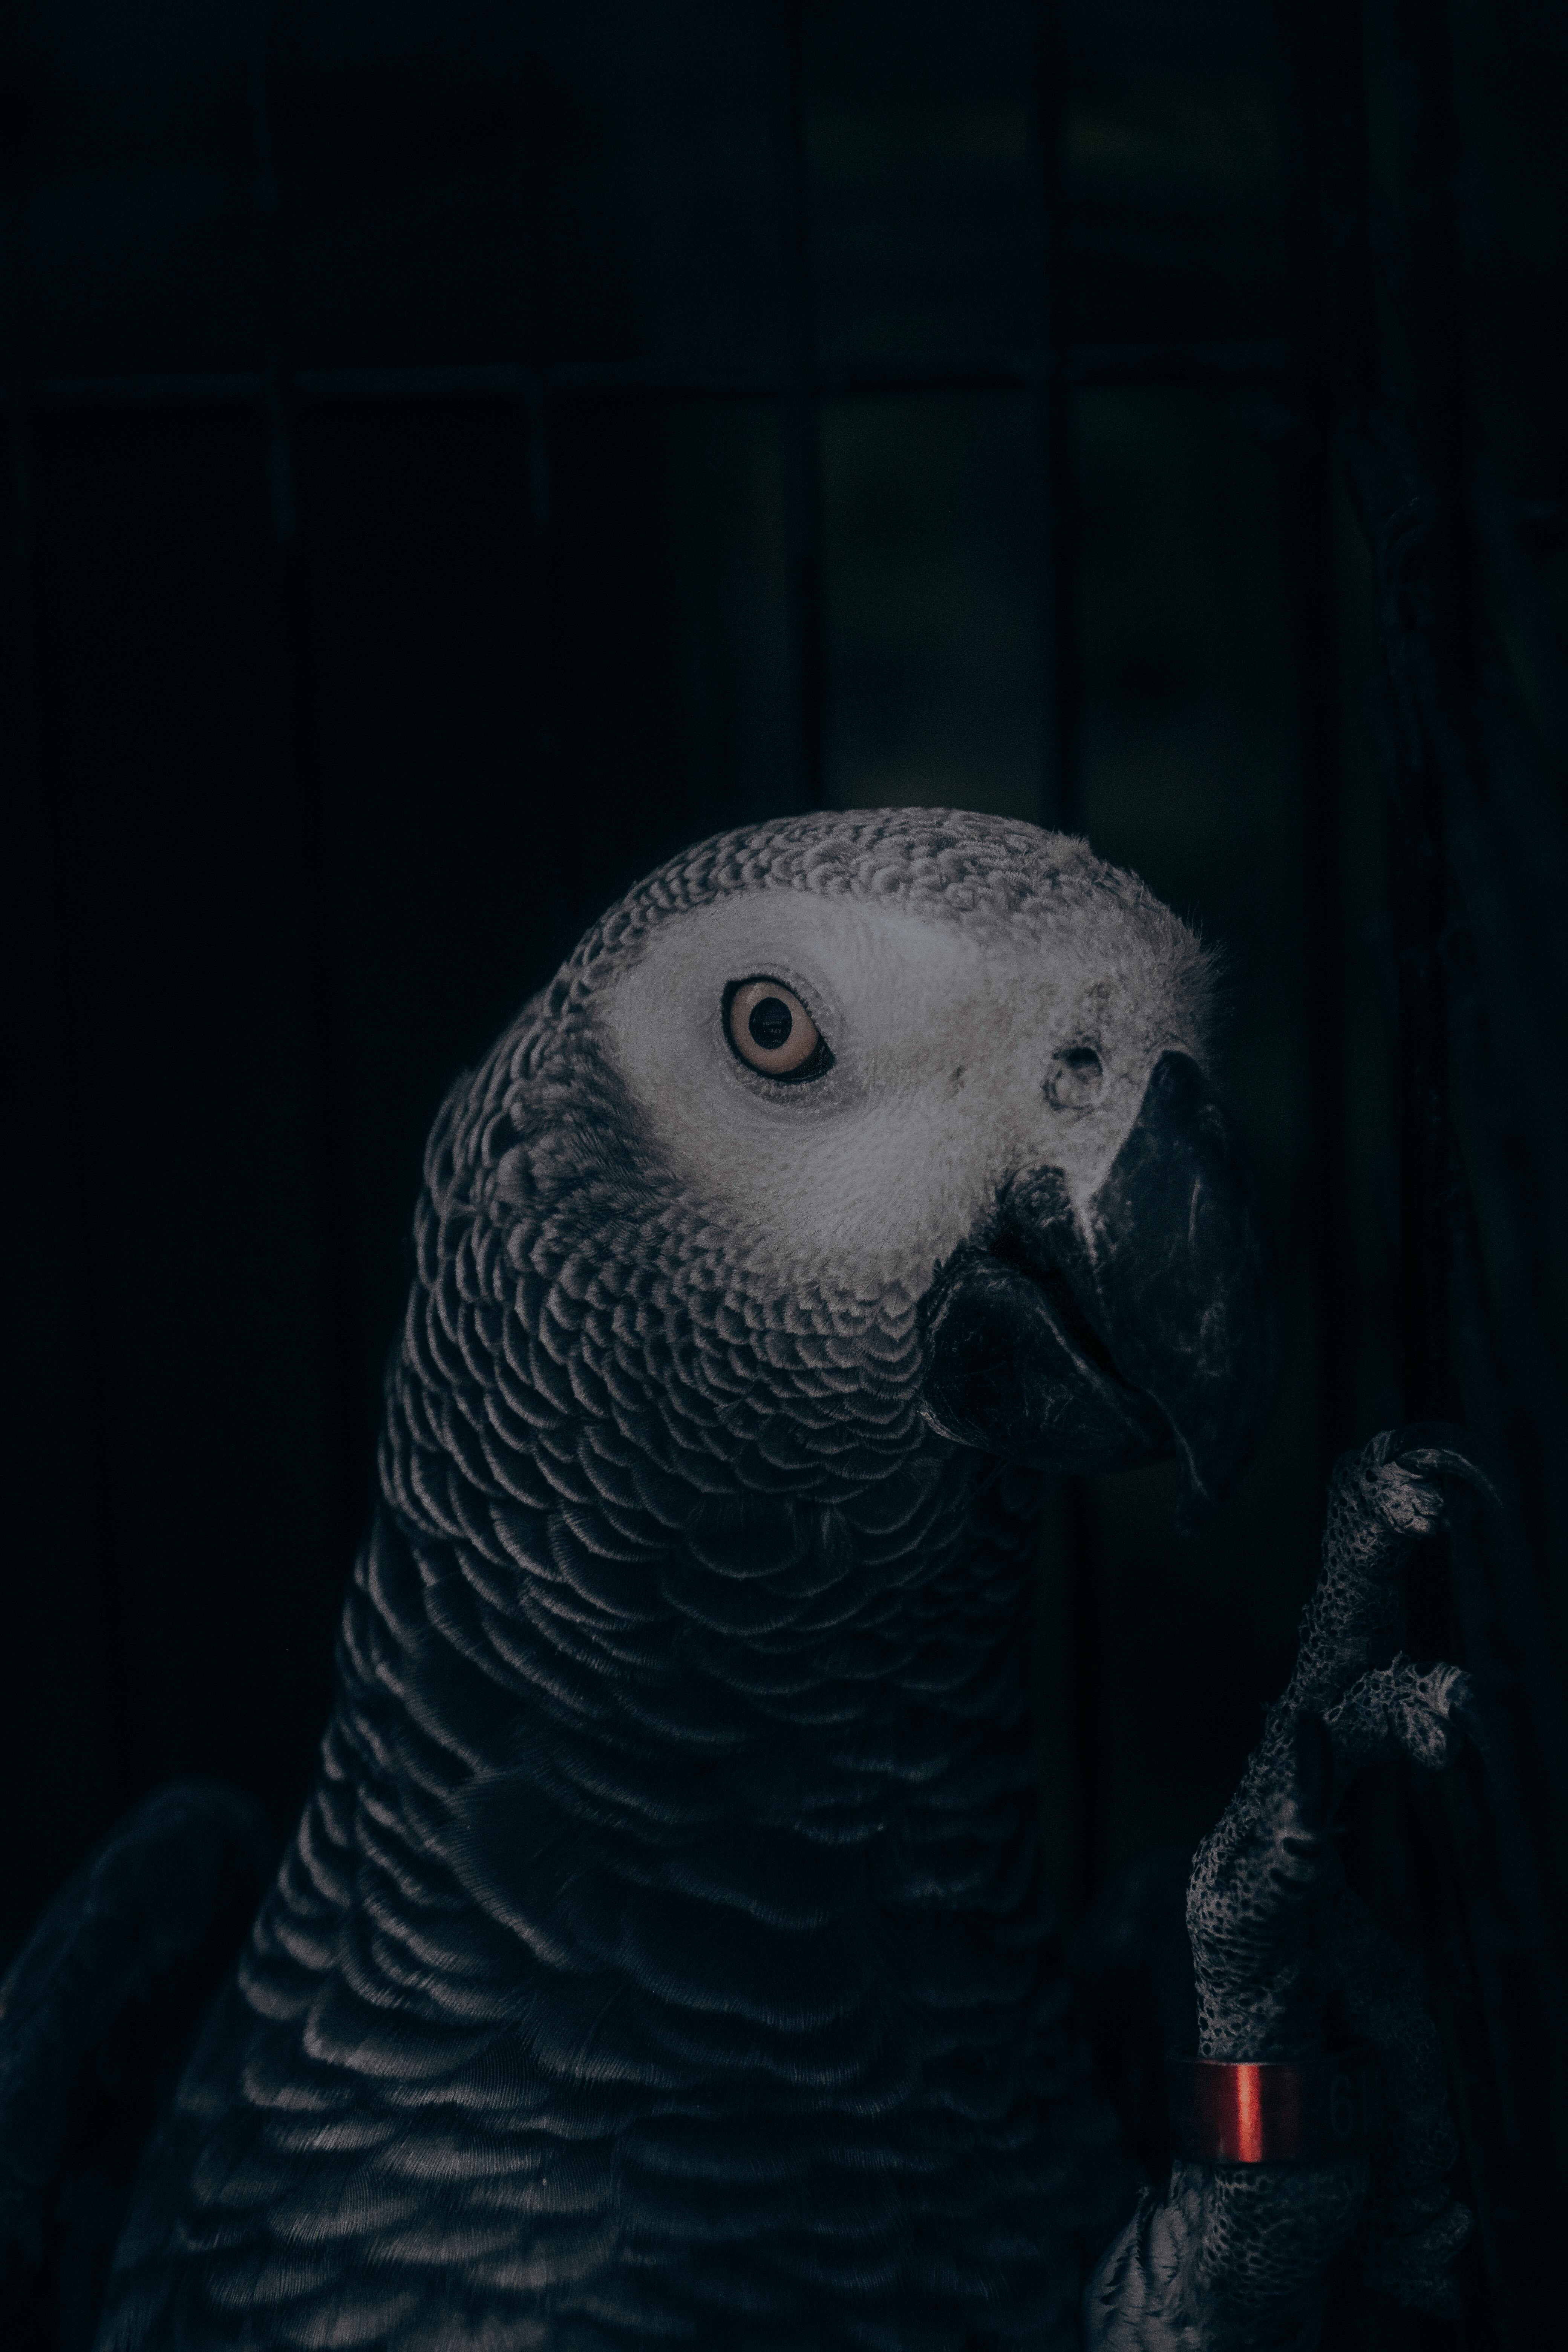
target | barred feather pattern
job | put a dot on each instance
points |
(663, 1954)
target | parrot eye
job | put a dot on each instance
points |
(771, 1031)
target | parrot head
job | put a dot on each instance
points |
(868, 1128)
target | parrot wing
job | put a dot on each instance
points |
(97, 2012)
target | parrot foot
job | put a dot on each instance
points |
(1402, 1470)
(1400, 1488)
(1402, 1709)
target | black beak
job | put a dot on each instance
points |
(1141, 1330)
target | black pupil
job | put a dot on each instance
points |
(770, 1023)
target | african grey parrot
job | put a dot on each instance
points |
(662, 1955)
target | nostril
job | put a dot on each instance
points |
(1076, 1080)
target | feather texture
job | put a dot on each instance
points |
(663, 1954)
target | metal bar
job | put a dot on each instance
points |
(70, 1022)
(1061, 807)
(1178, 364)
(800, 391)
(1320, 781)
(1440, 643)
(565, 883)
(1087, 364)
(1060, 784)
(351, 1438)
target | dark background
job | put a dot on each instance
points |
(460, 452)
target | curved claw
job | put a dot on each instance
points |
(1402, 1471)
(1446, 1462)
(1433, 1449)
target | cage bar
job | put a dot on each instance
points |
(299, 699)
(799, 395)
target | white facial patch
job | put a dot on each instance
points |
(944, 1040)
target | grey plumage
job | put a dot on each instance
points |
(663, 1952)
(663, 1949)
